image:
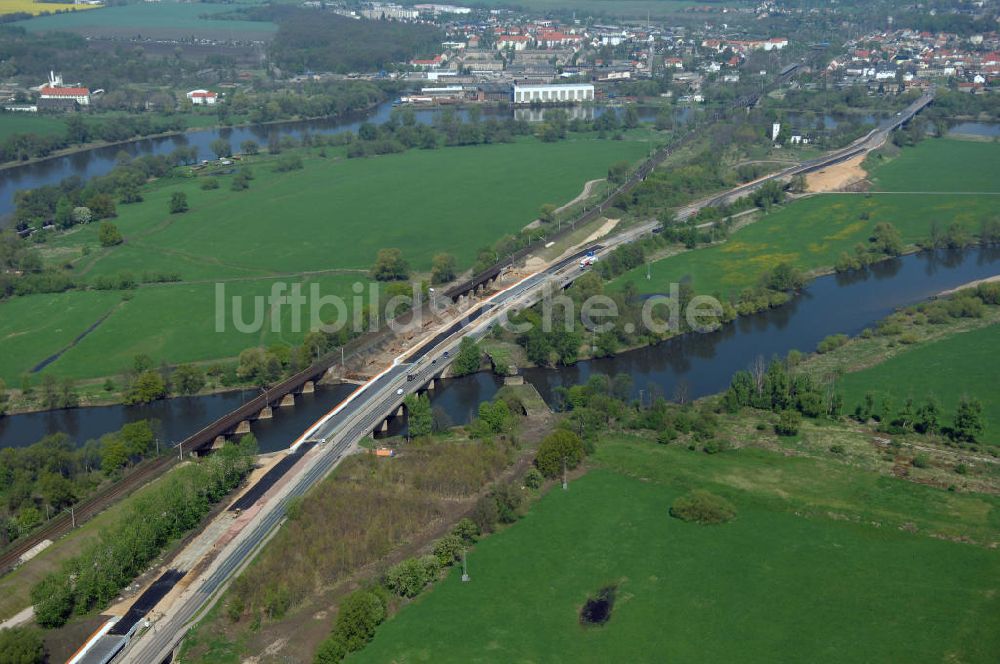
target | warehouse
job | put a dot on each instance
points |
(553, 94)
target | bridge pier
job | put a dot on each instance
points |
(385, 426)
(243, 427)
(308, 387)
(218, 442)
(399, 411)
(430, 385)
(287, 400)
(264, 414)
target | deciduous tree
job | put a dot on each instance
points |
(390, 266)
(556, 447)
(443, 268)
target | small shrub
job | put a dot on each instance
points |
(831, 342)
(715, 446)
(961, 469)
(703, 508)
(409, 577)
(837, 449)
(467, 530)
(210, 183)
(788, 423)
(533, 479)
(666, 436)
(921, 461)
(449, 549)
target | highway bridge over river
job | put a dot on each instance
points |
(322, 446)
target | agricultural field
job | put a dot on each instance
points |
(159, 20)
(965, 364)
(812, 232)
(32, 7)
(323, 224)
(30, 123)
(816, 563)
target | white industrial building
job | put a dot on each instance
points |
(203, 97)
(567, 93)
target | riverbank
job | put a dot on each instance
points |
(971, 284)
(96, 145)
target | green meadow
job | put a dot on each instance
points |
(965, 364)
(322, 224)
(782, 582)
(940, 165)
(30, 123)
(171, 322)
(809, 233)
(812, 232)
(337, 213)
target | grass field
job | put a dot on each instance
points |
(769, 586)
(965, 364)
(322, 224)
(30, 123)
(169, 322)
(812, 232)
(165, 19)
(339, 213)
(31, 7)
(941, 165)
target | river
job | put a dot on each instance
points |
(697, 364)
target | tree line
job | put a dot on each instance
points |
(157, 516)
(42, 479)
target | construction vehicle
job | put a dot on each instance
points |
(588, 260)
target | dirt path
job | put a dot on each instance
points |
(838, 176)
(587, 190)
(605, 228)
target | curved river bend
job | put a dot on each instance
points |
(701, 363)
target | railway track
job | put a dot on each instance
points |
(85, 510)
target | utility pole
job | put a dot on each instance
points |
(465, 569)
(157, 446)
(72, 514)
(180, 450)
(565, 483)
